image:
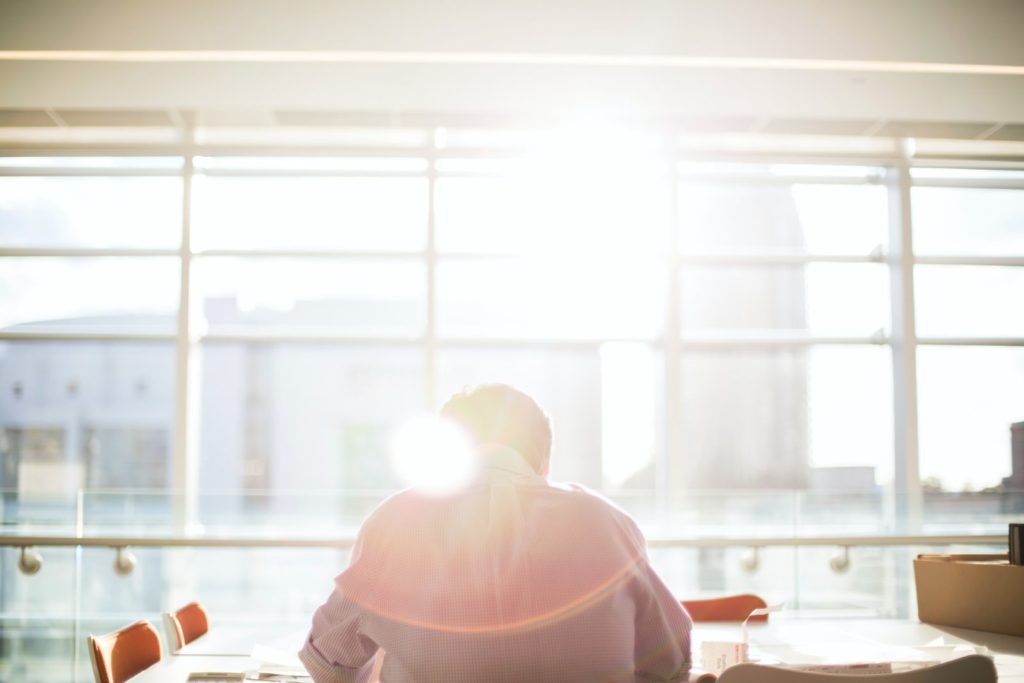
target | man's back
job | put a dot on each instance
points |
(511, 580)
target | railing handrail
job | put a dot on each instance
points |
(23, 541)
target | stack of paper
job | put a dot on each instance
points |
(278, 665)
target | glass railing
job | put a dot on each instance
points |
(784, 545)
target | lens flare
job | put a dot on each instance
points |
(433, 455)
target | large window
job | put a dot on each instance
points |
(89, 294)
(689, 325)
(969, 281)
(227, 344)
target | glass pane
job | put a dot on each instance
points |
(783, 419)
(519, 298)
(83, 415)
(966, 301)
(696, 573)
(538, 211)
(300, 431)
(90, 212)
(968, 221)
(328, 295)
(985, 511)
(38, 632)
(866, 589)
(967, 400)
(89, 294)
(386, 214)
(849, 416)
(818, 298)
(829, 219)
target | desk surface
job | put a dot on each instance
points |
(792, 639)
(811, 641)
(174, 669)
(238, 639)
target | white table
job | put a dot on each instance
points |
(175, 669)
(226, 647)
(813, 640)
(238, 639)
(785, 638)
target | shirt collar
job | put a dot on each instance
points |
(502, 462)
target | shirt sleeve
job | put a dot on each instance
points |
(662, 633)
(336, 650)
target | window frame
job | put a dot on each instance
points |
(897, 177)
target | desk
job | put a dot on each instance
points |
(174, 669)
(810, 640)
(786, 638)
(238, 639)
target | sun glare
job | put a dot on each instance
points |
(433, 455)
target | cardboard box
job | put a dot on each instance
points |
(981, 592)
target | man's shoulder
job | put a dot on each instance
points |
(573, 500)
(592, 501)
(587, 496)
(399, 504)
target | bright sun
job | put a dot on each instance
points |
(433, 455)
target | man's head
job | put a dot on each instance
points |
(497, 414)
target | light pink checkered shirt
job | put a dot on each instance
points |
(513, 580)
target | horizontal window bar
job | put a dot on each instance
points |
(767, 258)
(311, 173)
(308, 253)
(129, 149)
(971, 341)
(754, 259)
(709, 341)
(300, 337)
(970, 183)
(757, 179)
(297, 337)
(737, 341)
(970, 163)
(85, 251)
(703, 154)
(686, 259)
(29, 335)
(969, 260)
(61, 172)
(17, 541)
(690, 259)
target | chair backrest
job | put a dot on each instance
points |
(118, 656)
(186, 624)
(969, 669)
(726, 608)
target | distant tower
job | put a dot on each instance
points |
(1015, 482)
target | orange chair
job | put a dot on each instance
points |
(185, 625)
(118, 656)
(727, 608)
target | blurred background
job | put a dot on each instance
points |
(761, 262)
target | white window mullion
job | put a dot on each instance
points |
(184, 475)
(906, 478)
